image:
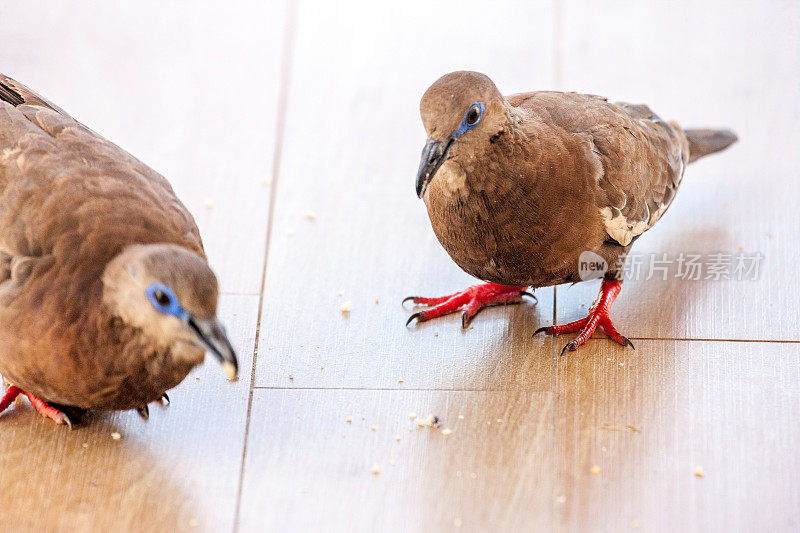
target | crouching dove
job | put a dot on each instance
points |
(106, 298)
(518, 188)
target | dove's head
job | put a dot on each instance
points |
(462, 112)
(169, 293)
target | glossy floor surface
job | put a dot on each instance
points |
(291, 130)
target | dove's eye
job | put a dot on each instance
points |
(473, 115)
(162, 298)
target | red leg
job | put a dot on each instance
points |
(469, 301)
(598, 316)
(40, 405)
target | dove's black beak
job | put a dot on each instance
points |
(211, 335)
(433, 155)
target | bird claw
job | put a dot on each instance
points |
(526, 293)
(469, 301)
(407, 298)
(164, 400)
(571, 346)
(540, 330)
(418, 316)
(144, 412)
(64, 419)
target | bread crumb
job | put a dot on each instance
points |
(346, 307)
(400, 380)
(116, 436)
(340, 293)
(310, 215)
(349, 420)
(699, 472)
(373, 428)
(266, 181)
(412, 416)
(209, 203)
(461, 417)
(595, 470)
(291, 377)
(635, 524)
(457, 522)
(289, 232)
(741, 247)
(397, 438)
(376, 469)
(377, 301)
(447, 432)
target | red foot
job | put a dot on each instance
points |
(470, 301)
(598, 316)
(40, 405)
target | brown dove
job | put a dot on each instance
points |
(526, 190)
(106, 297)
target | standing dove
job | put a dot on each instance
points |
(518, 188)
(106, 298)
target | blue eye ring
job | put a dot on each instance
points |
(468, 125)
(164, 300)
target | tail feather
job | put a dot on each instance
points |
(704, 141)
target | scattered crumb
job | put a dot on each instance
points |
(377, 301)
(193, 522)
(472, 327)
(412, 416)
(266, 181)
(461, 417)
(209, 203)
(373, 428)
(310, 215)
(116, 436)
(635, 524)
(340, 293)
(322, 367)
(595, 470)
(561, 498)
(289, 232)
(741, 247)
(376, 469)
(349, 420)
(291, 377)
(346, 307)
(699, 472)
(197, 378)
(457, 522)
(447, 432)
(400, 380)
(397, 438)
(429, 421)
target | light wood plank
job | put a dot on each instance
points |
(308, 469)
(187, 87)
(708, 63)
(352, 143)
(179, 471)
(648, 418)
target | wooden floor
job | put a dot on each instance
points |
(261, 112)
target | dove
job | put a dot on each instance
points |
(106, 297)
(522, 189)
